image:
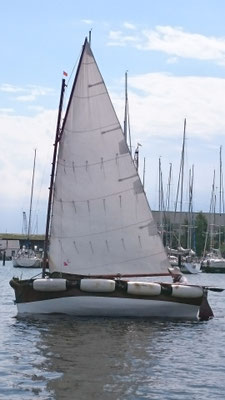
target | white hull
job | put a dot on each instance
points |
(214, 263)
(26, 262)
(190, 268)
(110, 307)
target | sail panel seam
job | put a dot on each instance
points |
(148, 222)
(94, 198)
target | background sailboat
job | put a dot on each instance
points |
(185, 252)
(213, 261)
(27, 257)
(101, 232)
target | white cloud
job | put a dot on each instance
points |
(36, 108)
(87, 21)
(173, 41)
(19, 136)
(128, 25)
(184, 44)
(172, 60)
(28, 93)
(6, 87)
(6, 110)
(159, 102)
(117, 38)
(26, 98)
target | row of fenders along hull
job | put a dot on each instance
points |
(133, 288)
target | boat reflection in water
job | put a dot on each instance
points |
(106, 358)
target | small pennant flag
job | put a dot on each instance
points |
(65, 73)
(66, 263)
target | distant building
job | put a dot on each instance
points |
(180, 217)
(10, 247)
(11, 243)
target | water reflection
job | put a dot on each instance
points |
(103, 358)
(63, 358)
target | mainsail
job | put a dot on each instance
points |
(101, 221)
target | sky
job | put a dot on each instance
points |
(174, 52)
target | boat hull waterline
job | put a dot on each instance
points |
(110, 307)
(119, 303)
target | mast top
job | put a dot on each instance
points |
(89, 38)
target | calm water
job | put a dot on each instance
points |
(69, 358)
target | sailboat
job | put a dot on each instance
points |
(187, 263)
(213, 261)
(26, 257)
(102, 248)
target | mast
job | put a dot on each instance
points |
(168, 221)
(31, 198)
(57, 138)
(89, 38)
(24, 228)
(168, 189)
(182, 168)
(209, 233)
(159, 207)
(180, 186)
(136, 157)
(161, 200)
(125, 111)
(212, 211)
(126, 123)
(220, 196)
(190, 208)
(144, 174)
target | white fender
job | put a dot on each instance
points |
(187, 291)
(97, 285)
(49, 284)
(144, 288)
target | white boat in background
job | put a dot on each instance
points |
(191, 267)
(28, 257)
(105, 253)
(184, 259)
(213, 262)
(189, 262)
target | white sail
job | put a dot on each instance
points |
(101, 221)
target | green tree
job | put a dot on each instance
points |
(200, 233)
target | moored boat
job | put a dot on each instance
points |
(213, 262)
(27, 257)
